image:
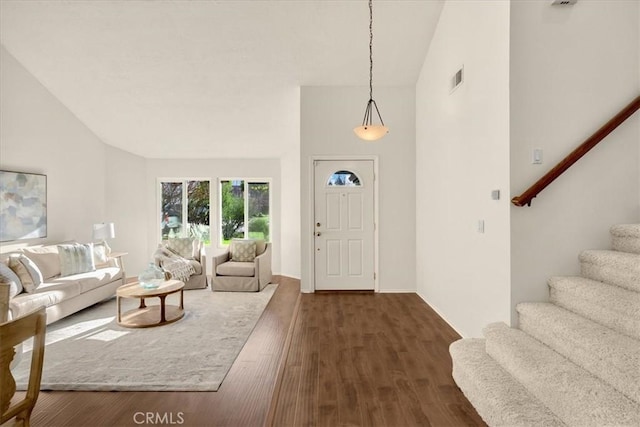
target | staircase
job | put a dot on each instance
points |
(574, 361)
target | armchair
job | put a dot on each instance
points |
(193, 252)
(242, 276)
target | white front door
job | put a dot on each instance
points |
(344, 225)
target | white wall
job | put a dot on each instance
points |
(462, 154)
(290, 191)
(290, 213)
(126, 205)
(572, 69)
(39, 134)
(213, 169)
(327, 118)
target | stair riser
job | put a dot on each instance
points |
(498, 398)
(626, 244)
(615, 364)
(597, 311)
(575, 396)
(627, 277)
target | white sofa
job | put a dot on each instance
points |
(63, 296)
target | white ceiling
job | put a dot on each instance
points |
(206, 79)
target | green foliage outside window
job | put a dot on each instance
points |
(232, 212)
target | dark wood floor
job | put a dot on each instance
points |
(370, 360)
(354, 359)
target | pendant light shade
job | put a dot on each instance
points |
(371, 132)
(368, 131)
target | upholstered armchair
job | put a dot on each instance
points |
(245, 267)
(192, 251)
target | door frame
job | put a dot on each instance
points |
(310, 220)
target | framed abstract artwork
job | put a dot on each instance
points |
(23, 206)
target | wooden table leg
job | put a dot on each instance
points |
(182, 299)
(119, 309)
(162, 308)
(142, 304)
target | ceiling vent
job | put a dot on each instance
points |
(457, 79)
(563, 2)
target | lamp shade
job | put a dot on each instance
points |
(104, 230)
(371, 132)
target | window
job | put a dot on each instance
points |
(344, 178)
(184, 209)
(244, 202)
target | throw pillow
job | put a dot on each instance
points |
(27, 271)
(46, 258)
(101, 254)
(162, 253)
(243, 250)
(8, 276)
(183, 246)
(75, 259)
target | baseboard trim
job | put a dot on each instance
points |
(397, 291)
(442, 316)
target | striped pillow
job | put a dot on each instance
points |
(75, 259)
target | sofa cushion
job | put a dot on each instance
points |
(233, 268)
(26, 270)
(243, 250)
(47, 294)
(9, 277)
(46, 258)
(76, 258)
(92, 279)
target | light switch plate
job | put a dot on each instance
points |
(536, 157)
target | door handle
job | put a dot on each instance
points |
(317, 234)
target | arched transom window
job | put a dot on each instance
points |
(344, 178)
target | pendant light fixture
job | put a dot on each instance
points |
(368, 131)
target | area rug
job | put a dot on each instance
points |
(90, 351)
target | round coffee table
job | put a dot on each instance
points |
(154, 315)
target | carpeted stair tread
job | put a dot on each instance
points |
(626, 237)
(497, 396)
(612, 267)
(611, 306)
(574, 395)
(607, 354)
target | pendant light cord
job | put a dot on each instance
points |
(368, 112)
(370, 49)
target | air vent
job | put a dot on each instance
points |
(457, 79)
(563, 2)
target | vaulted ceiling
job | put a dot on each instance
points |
(200, 79)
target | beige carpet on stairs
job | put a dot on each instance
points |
(576, 360)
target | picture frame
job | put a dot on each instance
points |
(23, 206)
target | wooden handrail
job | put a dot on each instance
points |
(526, 197)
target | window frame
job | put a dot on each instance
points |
(185, 202)
(247, 181)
